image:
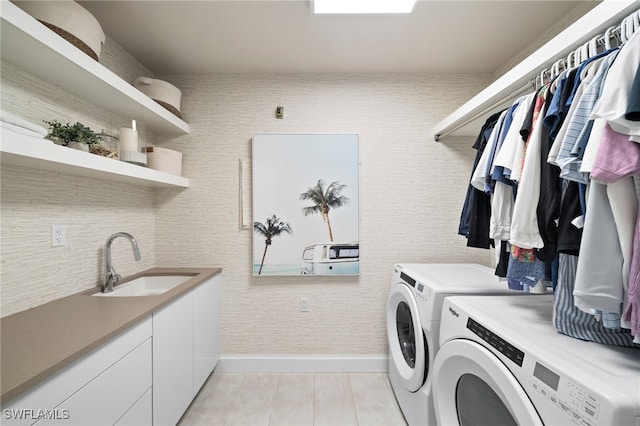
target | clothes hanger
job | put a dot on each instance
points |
(633, 24)
(557, 67)
(593, 46)
(544, 71)
(617, 35)
(607, 37)
(570, 59)
(623, 30)
(584, 53)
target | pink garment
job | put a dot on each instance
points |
(617, 158)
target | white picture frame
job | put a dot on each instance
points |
(305, 204)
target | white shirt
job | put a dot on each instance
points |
(612, 104)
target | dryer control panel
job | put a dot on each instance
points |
(581, 406)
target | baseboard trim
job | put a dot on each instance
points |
(303, 364)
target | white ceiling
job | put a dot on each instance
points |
(266, 36)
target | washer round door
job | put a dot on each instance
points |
(475, 388)
(407, 345)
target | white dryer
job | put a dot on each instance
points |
(413, 323)
(504, 353)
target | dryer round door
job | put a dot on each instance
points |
(475, 388)
(407, 345)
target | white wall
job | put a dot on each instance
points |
(411, 195)
(31, 272)
(412, 191)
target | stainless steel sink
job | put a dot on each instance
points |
(150, 285)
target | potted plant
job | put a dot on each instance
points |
(76, 135)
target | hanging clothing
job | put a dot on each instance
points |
(569, 320)
(568, 157)
(513, 141)
(524, 224)
(633, 106)
(548, 208)
(614, 101)
(617, 161)
(482, 170)
(599, 275)
(561, 167)
(476, 212)
(570, 219)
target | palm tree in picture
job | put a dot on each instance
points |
(272, 227)
(324, 198)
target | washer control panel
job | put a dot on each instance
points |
(501, 345)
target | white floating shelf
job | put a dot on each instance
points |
(41, 154)
(28, 44)
(469, 118)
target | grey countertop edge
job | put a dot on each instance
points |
(38, 342)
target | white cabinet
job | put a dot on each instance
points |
(206, 330)
(140, 414)
(97, 389)
(147, 375)
(172, 360)
(186, 349)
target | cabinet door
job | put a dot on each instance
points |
(172, 360)
(206, 330)
(140, 413)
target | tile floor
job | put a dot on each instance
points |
(296, 399)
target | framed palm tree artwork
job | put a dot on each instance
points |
(305, 204)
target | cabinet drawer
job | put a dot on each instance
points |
(24, 410)
(141, 414)
(108, 397)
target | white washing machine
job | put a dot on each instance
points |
(413, 324)
(504, 353)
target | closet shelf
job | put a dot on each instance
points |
(34, 48)
(469, 118)
(34, 153)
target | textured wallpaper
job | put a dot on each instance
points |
(31, 271)
(411, 194)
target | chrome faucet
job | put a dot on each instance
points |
(110, 276)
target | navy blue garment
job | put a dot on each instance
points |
(558, 108)
(472, 208)
(577, 81)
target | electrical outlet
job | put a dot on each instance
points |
(58, 236)
(304, 304)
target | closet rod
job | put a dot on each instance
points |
(516, 80)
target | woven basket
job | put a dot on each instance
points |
(169, 108)
(72, 39)
(164, 93)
